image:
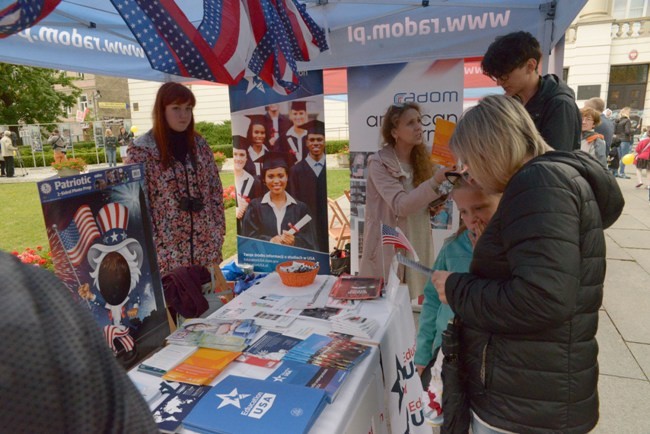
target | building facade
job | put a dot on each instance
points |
(607, 54)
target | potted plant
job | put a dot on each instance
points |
(219, 158)
(343, 157)
(70, 166)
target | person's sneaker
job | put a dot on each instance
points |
(640, 184)
(624, 177)
(416, 303)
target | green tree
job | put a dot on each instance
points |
(28, 94)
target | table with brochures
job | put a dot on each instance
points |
(361, 403)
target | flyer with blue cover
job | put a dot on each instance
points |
(328, 379)
(247, 405)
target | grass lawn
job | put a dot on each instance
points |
(22, 224)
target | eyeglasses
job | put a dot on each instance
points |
(454, 177)
(502, 78)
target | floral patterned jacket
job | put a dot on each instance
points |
(178, 234)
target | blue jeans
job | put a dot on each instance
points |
(110, 157)
(479, 428)
(624, 149)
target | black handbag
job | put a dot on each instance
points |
(455, 401)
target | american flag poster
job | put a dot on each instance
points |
(102, 248)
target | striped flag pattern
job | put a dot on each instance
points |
(23, 14)
(284, 33)
(234, 38)
(396, 237)
(215, 51)
(79, 235)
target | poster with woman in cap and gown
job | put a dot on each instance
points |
(279, 220)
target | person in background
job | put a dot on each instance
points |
(592, 142)
(124, 139)
(247, 186)
(273, 216)
(296, 137)
(623, 134)
(606, 126)
(183, 185)
(277, 125)
(476, 209)
(529, 304)
(642, 151)
(613, 160)
(58, 146)
(257, 139)
(400, 186)
(512, 61)
(308, 181)
(2, 162)
(60, 377)
(110, 145)
(7, 150)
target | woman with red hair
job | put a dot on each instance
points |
(183, 185)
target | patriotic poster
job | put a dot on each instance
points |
(402, 385)
(280, 173)
(100, 236)
(438, 88)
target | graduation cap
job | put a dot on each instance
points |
(314, 127)
(256, 120)
(273, 160)
(299, 105)
(240, 142)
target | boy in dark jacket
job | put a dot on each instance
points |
(512, 62)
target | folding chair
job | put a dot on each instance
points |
(339, 226)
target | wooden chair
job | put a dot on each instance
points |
(339, 226)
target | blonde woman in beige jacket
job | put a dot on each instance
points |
(401, 184)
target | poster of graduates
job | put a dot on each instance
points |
(280, 173)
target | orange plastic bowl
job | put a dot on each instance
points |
(297, 279)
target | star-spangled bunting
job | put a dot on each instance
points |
(396, 237)
(234, 38)
(23, 14)
(283, 36)
(79, 235)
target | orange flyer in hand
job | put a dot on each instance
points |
(201, 367)
(440, 153)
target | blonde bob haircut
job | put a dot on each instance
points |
(494, 139)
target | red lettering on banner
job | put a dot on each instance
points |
(415, 405)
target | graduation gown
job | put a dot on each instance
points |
(259, 222)
(251, 189)
(306, 187)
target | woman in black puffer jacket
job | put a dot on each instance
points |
(529, 304)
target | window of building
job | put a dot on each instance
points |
(623, 9)
(83, 102)
(136, 107)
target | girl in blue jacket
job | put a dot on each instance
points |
(476, 209)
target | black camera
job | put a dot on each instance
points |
(192, 204)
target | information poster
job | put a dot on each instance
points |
(102, 248)
(437, 87)
(282, 213)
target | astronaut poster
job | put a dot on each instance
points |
(102, 248)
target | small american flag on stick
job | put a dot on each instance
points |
(396, 237)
